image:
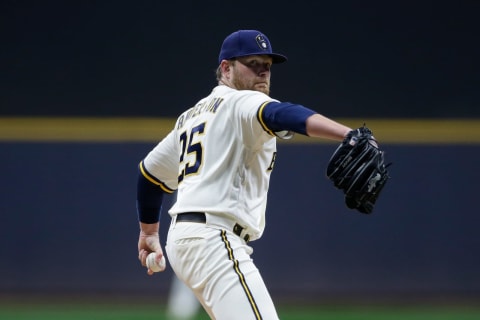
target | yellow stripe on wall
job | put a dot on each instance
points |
(85, 129)
(39, 129)
(428, 131)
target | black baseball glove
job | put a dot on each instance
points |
(357, 168)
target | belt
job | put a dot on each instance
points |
(200, 217)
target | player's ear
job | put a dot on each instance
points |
(226, 66)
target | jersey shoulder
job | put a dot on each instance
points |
(242, 101)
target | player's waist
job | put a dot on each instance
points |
(214, 220)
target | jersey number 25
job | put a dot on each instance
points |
(191, 147)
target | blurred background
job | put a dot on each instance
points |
(152, 58)
(67, 205)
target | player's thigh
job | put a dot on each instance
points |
(245, 297)
(238, 290)
(186, 245)
(216, 265)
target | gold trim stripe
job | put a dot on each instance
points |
(122, 129)
(153, 180)
(260, 118)
(241, 277)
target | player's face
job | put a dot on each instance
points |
(252, 73)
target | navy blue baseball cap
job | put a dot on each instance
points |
(247, 43)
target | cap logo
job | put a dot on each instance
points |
(262, 43)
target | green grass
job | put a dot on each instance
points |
(92, 311)
(380, 313)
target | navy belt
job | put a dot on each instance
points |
(201, 218)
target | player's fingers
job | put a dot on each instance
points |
(142, 256)
(159, 256)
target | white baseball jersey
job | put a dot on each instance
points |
(219, 156)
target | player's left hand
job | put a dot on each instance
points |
(358, 168)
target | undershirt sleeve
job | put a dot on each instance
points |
(149, 198)
(281, 116)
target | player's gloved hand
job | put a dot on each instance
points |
(357, 168)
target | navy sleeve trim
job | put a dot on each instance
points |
(281, 116)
